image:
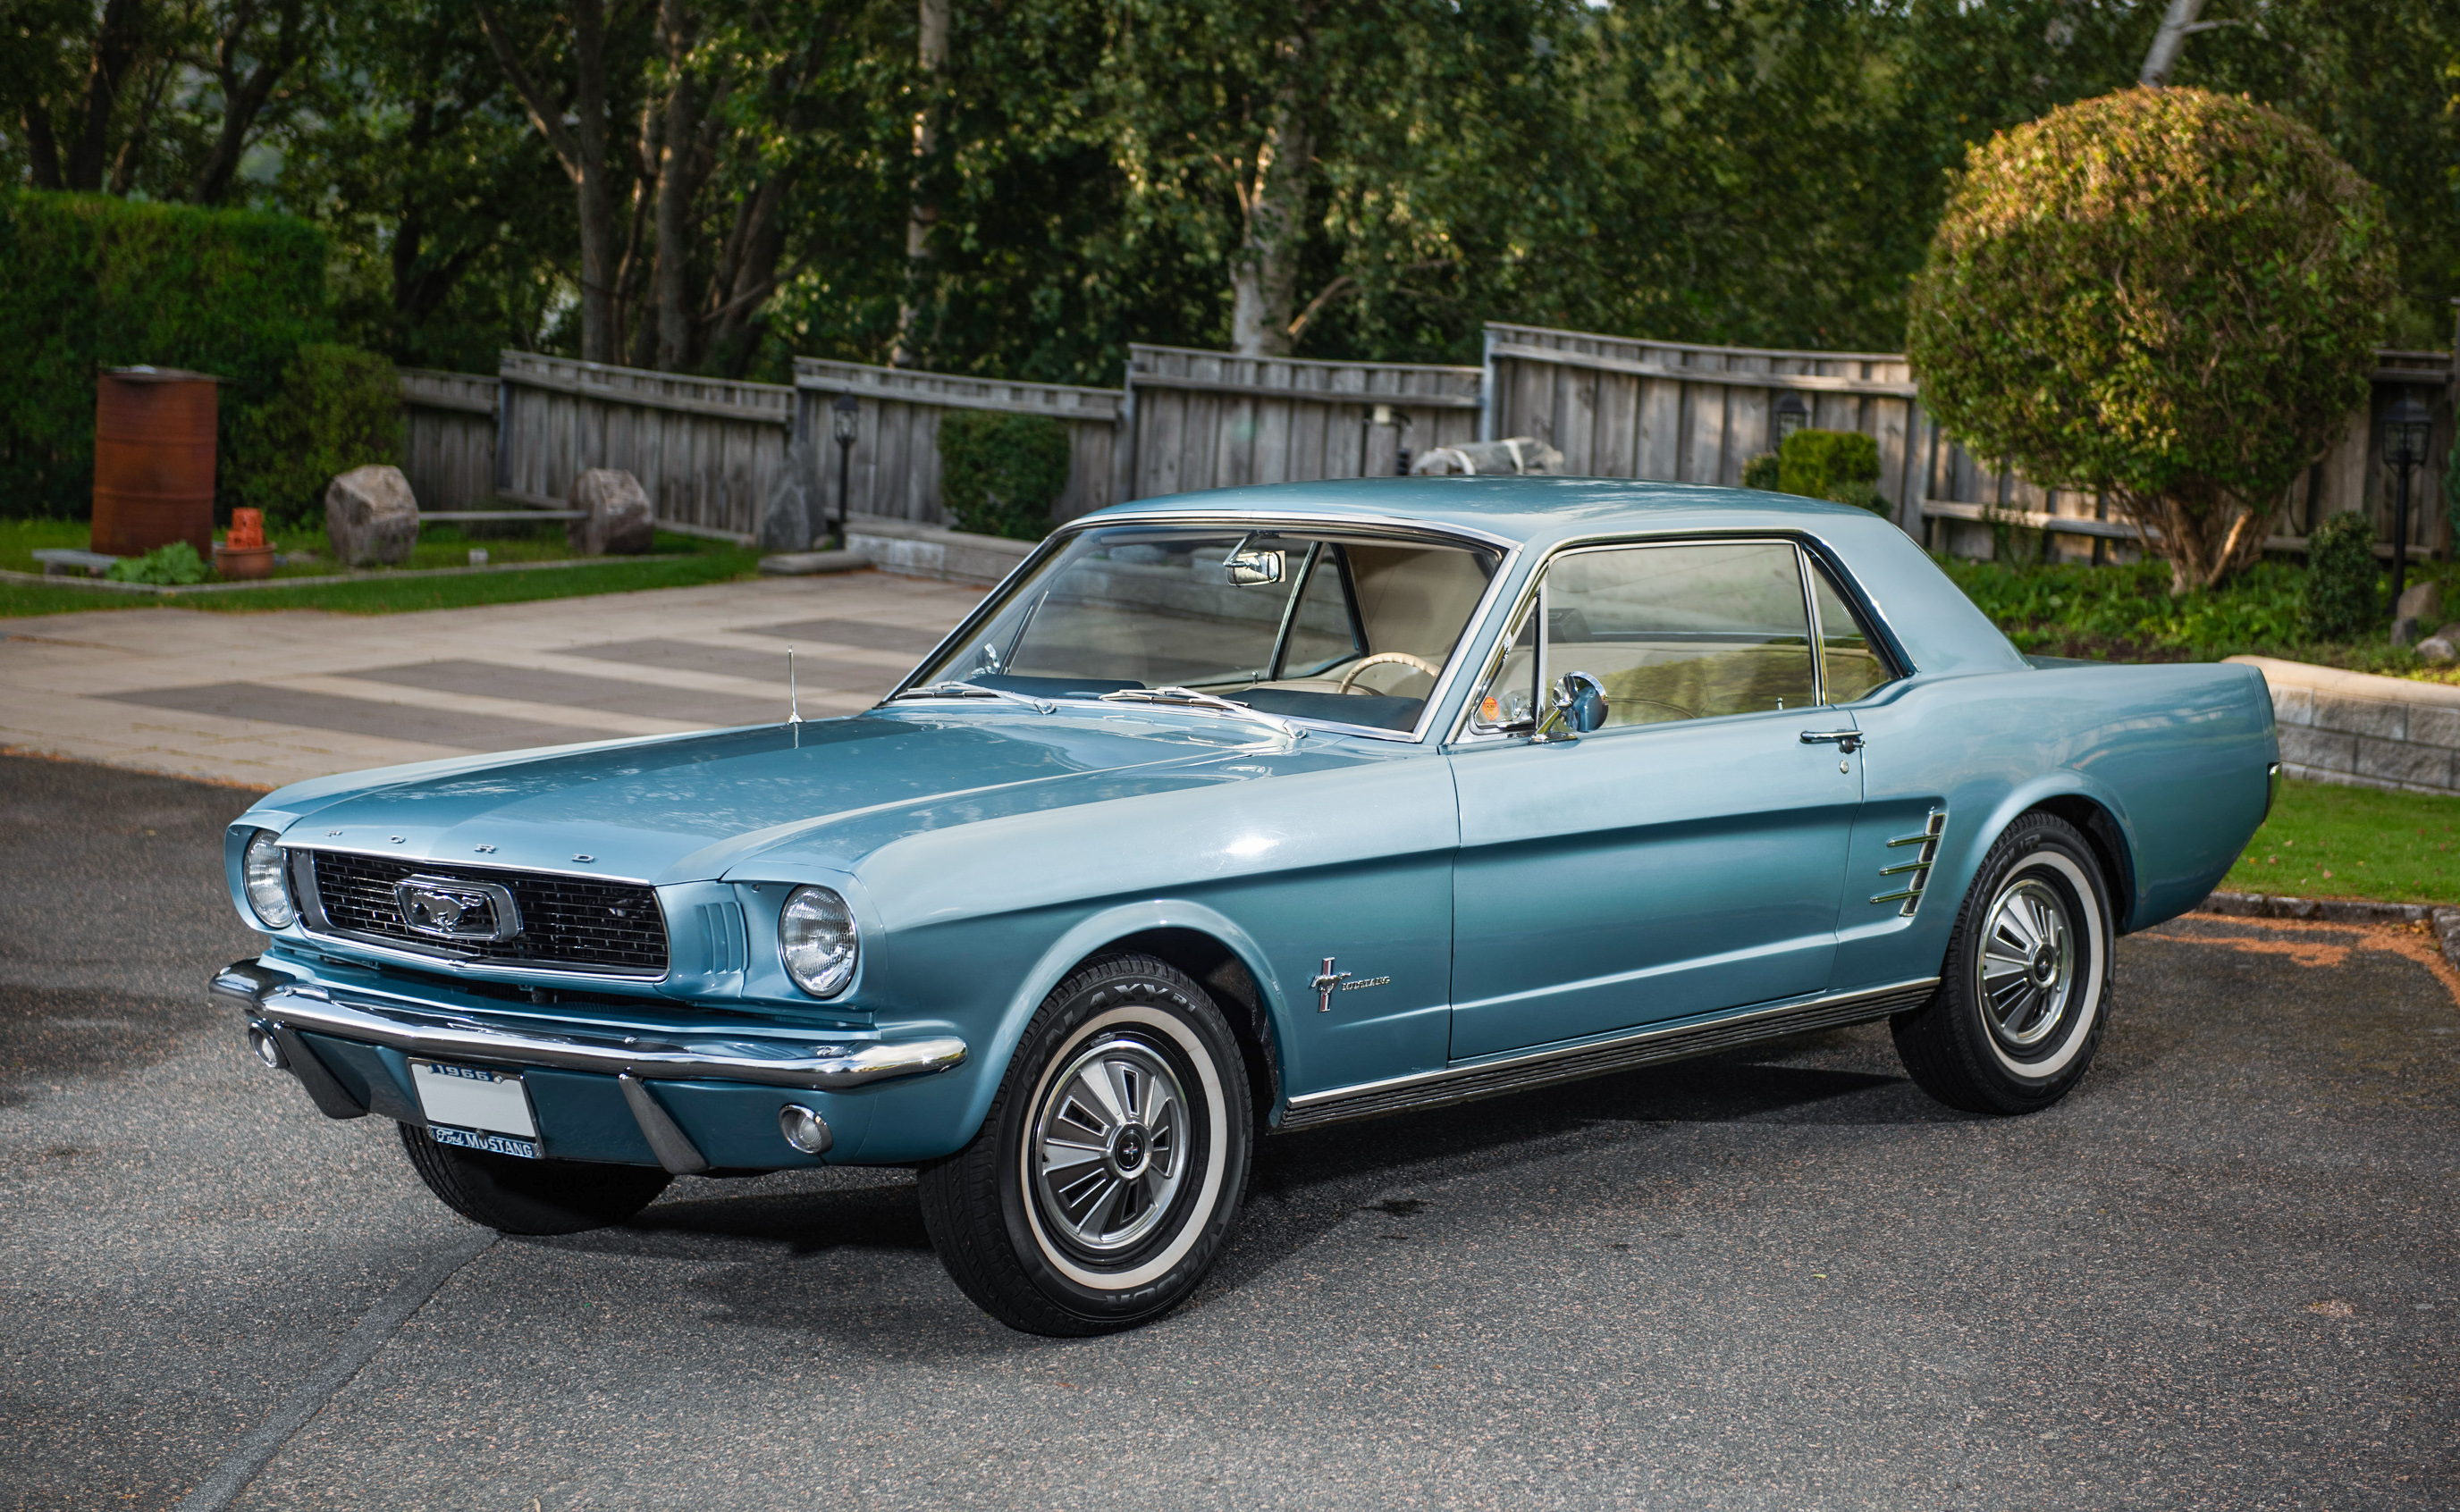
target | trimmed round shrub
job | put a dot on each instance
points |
(335, 408)
(1001, 474)
(1762, 472)
(2166, 296)
(1839, 465)
(2343, 586)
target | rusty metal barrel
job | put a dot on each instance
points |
(152, 460)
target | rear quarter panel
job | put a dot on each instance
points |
(2178, 756)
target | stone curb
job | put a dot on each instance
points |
(2446, 921)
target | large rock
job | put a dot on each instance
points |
(2442, 648)
(370, 516)
(615, 520)
(790, 520)
(2422, 601)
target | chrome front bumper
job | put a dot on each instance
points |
(278, 1002)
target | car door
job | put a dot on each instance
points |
(1687, 856)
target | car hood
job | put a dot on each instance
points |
(695, 807)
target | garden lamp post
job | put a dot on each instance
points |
(842, 417)
(2406, 427)
(1791, 415)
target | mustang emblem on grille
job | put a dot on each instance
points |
(448, 907)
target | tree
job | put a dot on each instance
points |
(2166, 296)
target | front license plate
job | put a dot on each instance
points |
(475, 1108)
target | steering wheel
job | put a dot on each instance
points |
(1383, 658)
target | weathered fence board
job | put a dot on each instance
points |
(1621, 408)
(895, 465)
(1207, 420)
(709, 451)
(448, 438)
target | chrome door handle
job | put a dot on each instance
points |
(1846, 742)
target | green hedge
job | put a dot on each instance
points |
(92, 283)
(336, 407)
(1839, 465)
(1000, 474)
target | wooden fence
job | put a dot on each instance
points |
(1207, 420)
(893, 468)
(1621, 408)
(449, 437)
(709, 451)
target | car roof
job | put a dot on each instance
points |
(1523, 511)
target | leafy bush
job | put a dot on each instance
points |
(2167, 296)
(1000, 474)
(1812, 462)
(337, 408)
(95, 282)
(1842, 466)
(2126, 613)
(165, 566)
(1763, 472)
(2344, 586)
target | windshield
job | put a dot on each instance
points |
(1344, 627)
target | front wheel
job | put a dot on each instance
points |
(2024, 990)
(1113, 1162)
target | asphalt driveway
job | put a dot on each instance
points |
(2219, 1276)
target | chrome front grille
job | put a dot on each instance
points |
(577, 924)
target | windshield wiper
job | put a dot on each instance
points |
(1214, 702)
(945, 690)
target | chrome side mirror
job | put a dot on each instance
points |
(1250, 568)
(1580, 707)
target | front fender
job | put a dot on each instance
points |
(928, 1120)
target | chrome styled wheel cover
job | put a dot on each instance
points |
(2026, 973)
(1110, 1145)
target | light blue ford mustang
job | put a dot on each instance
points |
(1250, 810)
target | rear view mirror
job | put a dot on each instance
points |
(1250, 568)
(1580, 707)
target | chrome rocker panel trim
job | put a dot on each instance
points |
(1487, 1079)
(285, 1004)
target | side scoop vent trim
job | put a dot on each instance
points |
(1917, 870)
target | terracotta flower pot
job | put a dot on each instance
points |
(246, 562)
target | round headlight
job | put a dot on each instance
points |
(261, 871)
(815, 935)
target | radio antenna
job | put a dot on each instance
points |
(794, 696)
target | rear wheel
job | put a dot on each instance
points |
(1112, 1162)
(518, 1196)
(2024, 990)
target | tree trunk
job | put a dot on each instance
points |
(581, 148)
(2206, 533)
(2161, 59)
(116, 42)
(42, 151)
(1264, 276)
(688, 143)
(923, 216)
(244, 100)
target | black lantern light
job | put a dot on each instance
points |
(1792, 415)
(843, 416)
(2406, 427)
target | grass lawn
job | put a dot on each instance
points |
(2327, 841)
(700, 562)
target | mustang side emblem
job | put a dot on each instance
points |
(447, 908)
(1330, 982)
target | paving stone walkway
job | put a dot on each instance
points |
(266, 699)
